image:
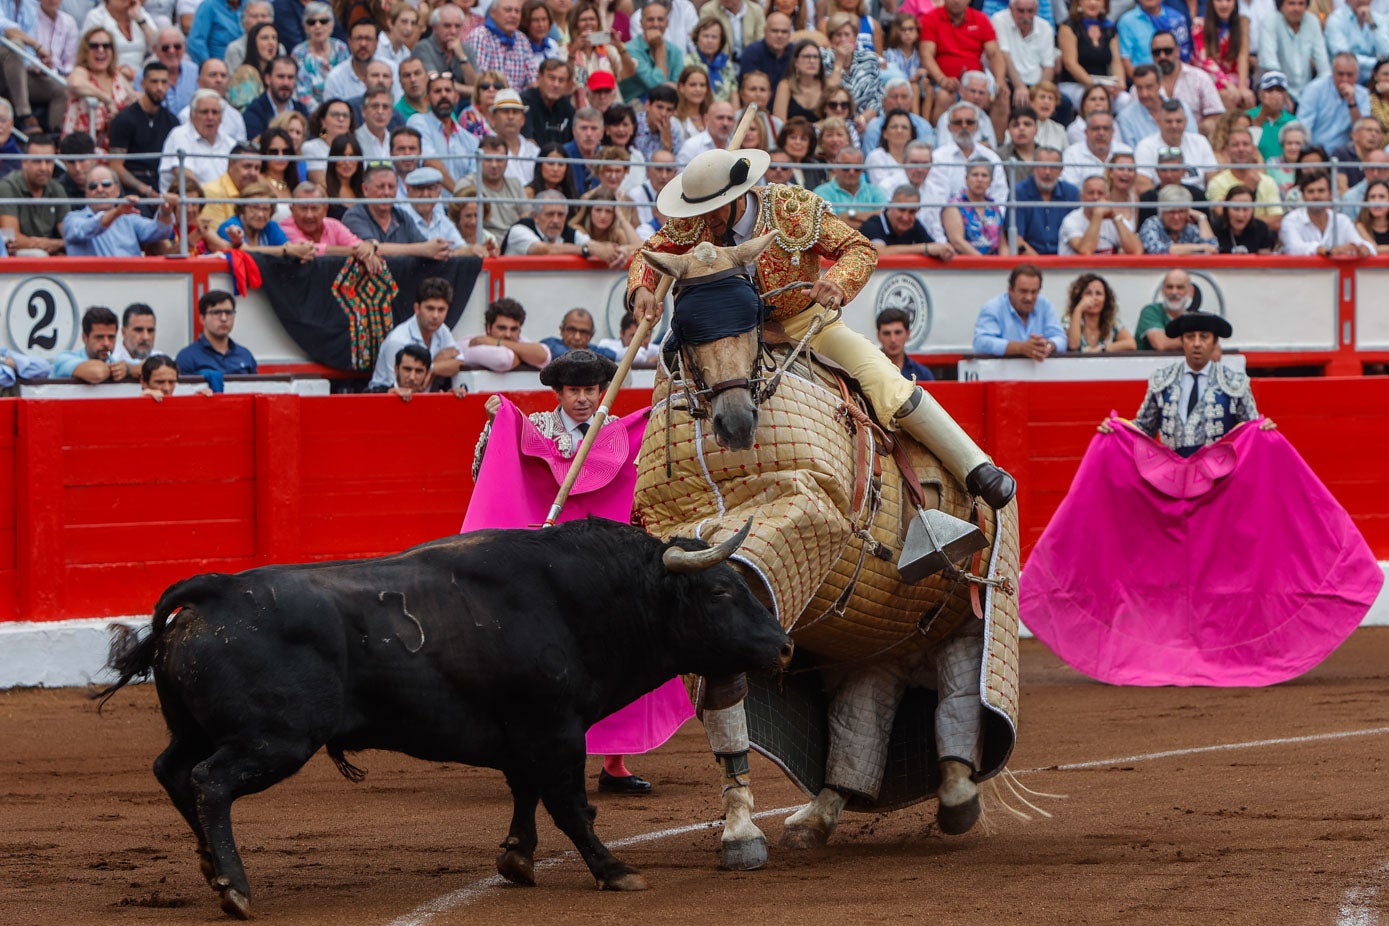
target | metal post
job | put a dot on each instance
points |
(477, 198)
(182, 206)
(1012, 205)
(1335, 204)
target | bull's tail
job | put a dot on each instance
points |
(131, 654)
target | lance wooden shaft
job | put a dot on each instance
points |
(625, 367)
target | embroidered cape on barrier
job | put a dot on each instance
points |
(1233, 567)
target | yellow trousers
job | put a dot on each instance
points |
(882, 382)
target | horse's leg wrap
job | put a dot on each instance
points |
(744, 846)
(959, 717)
(923, 418)
(860, 721)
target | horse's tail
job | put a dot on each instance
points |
(131, 654)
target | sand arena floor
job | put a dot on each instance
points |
(1180, 811)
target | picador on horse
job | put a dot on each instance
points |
(758, 360)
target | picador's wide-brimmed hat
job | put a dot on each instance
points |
(580, 367)
(711, 180)
(1192, 320)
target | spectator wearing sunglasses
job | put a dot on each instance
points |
(170, 51)
(111, 226)
(318, 54)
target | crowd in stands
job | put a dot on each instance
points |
(1140, 126)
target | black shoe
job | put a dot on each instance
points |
(629, 784)
(992, 484)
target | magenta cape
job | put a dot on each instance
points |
(1233, 567)
(521, 473)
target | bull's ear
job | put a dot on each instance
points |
(672, 265)
(748, 251)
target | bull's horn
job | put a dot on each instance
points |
(678, 560)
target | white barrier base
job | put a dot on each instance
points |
(58, 654)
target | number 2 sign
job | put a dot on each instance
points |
(41, 317)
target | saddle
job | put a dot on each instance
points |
(832, 495)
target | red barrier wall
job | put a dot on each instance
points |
(105, 502)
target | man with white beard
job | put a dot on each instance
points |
(948, 162)
(1178, 295)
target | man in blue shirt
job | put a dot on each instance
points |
(111, 226)
(1138, 26)
(772, 53)
(1039, 227)
(1021, 322)
(214, 349)
(216, 24)
(894, 325)
(91, 363)
(1331, 104)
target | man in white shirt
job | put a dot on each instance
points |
(1029, 42)
(974, 89)
(1088, 158)
(374, 133)
(427, 329)
(214, 76)
(1196, 151)
(547, 232)
(947, 176)
(1094, 229)
(202, 135)
(348, 79)
(1319, 229)
(719, 123)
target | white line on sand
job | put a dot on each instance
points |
(1361, 904)
(1356, 910)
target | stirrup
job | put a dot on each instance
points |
(936, 541)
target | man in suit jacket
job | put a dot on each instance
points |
(277, 98)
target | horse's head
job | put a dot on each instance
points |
(717, 331)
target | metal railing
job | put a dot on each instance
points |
(1014, 171)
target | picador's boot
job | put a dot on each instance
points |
(923, 418)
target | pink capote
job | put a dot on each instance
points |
(520, 475)
(1233, 567)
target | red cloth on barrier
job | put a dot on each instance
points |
(1233, 567)
(521, 473)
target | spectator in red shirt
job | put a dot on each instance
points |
(956, 38)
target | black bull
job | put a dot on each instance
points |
(497, 648)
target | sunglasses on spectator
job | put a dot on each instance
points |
(963, 123)
(372, 165)
(277, 151)
(100, 185)
(317, 22)
(99, 46)
(171, 47)
(448, 75)
(1163, 50)
(483, 84)
(837, 104)
(570, 329)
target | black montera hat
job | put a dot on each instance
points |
(580, 367)
(1192, 320)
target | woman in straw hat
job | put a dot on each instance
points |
(717, 199)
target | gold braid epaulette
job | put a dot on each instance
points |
(685, 231)
(794, 213)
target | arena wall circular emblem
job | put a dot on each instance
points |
(906, 291)
(41, 317)
(616, 308)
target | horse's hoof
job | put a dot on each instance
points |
(516, 867)
(235, 903)
(804, 837)
(744, 855)
(960, 819)
(628, 881)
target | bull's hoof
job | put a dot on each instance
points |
(207, 868)
(744, 854)
(516, 867)
(234, 903)
(804, 836)
(627, 881)
(960, 819)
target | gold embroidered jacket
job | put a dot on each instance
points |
(806, 232)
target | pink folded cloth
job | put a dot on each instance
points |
(1233, 567)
